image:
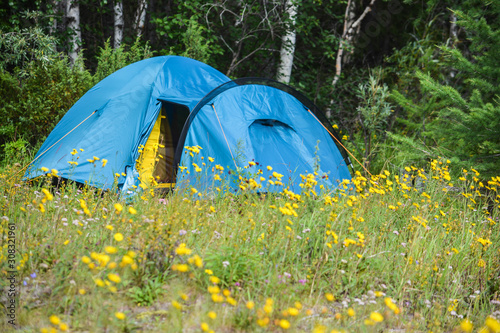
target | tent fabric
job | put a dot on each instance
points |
(127, 105)
(165, 104)
(146, 162)
(265, 125)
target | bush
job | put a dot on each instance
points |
(34, 104)
(110, 60)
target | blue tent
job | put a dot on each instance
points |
(133, 127)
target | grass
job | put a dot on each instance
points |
(377, 255)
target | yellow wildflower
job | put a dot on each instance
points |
(214, 279)
(376, 317)
(48, 195)
(466, 325)
(182, 250)
(120, 315)
(231, 301)
(492, 324)
(54, 319)
(213, 289)
(182, 268)
(114, 278)
(110, 249)
(263, 322)
(86, 260)
(118, 207)
(284, 324)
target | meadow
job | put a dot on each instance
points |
(410, 251)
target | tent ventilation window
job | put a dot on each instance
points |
(270, 123)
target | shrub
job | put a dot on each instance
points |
(36, 102)
(110, 60)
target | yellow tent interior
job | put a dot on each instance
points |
(156, 161)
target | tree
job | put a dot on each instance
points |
(247, 29)
(73, 25)
(140, 17)
(288, 44)
(118, 23)
(349, 32)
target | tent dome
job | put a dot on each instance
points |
(115, 117)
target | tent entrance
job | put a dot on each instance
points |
(156, 162)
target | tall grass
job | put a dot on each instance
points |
(416, 251)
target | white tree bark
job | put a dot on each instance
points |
(350, 30)
(140, 17)
(288, 44)
(118, 36)
(348, 35)
(73, 25)
(350, 18)
(453, 28)
(453, 37)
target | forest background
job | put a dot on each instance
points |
(404, 81)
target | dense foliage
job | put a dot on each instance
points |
(462, 111)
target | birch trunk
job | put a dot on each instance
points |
(350, 18)
(453, 38)
(73, 25)
(348, 35)
(350, 30)
(118, 37)
(453, 27)
(288, 45)
(140, 17)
